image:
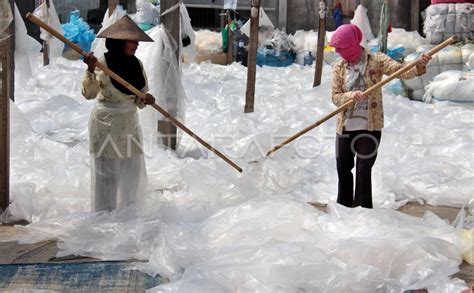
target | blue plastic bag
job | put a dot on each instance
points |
(78, 31)
(394, 53)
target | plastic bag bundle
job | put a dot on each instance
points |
(78, 31)
(450, 58)
(208, 42)
(445, 20)
(304, 42)
(454, 86)
(147, 15)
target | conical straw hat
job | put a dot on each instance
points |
(125, 29)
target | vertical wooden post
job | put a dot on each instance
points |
(321, 38)
(46, 42)
(171, 23)
(383, 27)
(230, 41)
(282, 14)
(415, 15)
(7, 49)
(112, 6)
(252, 57)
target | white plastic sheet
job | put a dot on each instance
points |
(187, 31)
(26, 50)
(98, 45)
(207, 227)
(164, 76)
(50, 16)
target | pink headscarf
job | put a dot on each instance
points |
(346, 39)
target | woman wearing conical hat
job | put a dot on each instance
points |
(116, 143)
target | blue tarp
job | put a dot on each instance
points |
(77, 277)
(266, 57)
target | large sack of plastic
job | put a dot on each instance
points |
(445, 20)
(450, 58)
(454, 86)
(304, 43)
(362, 21)
(148, 15)
(450, 1)
(208, 42)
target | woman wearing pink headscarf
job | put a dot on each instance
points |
(359, 127)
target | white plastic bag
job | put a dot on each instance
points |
(98, 45)
(50, 16)
(362, 21)
(264, 20)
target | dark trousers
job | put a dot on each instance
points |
(363, 145)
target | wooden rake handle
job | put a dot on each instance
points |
(351, 102)
(134, 90)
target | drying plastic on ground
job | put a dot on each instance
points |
(209, 228)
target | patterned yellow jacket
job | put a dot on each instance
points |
(377, 65)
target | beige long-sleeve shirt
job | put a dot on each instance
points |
(377, 65)
(114, 129)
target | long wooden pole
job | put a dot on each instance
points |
(46, 42)
(367, 92)
(415, 15)
(321, 38)
(131, 88)
(230, 40)
(170, 21)
(6, 94)
(112, 6)
(252, 57)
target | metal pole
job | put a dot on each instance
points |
(252, 57)
(321, 38)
